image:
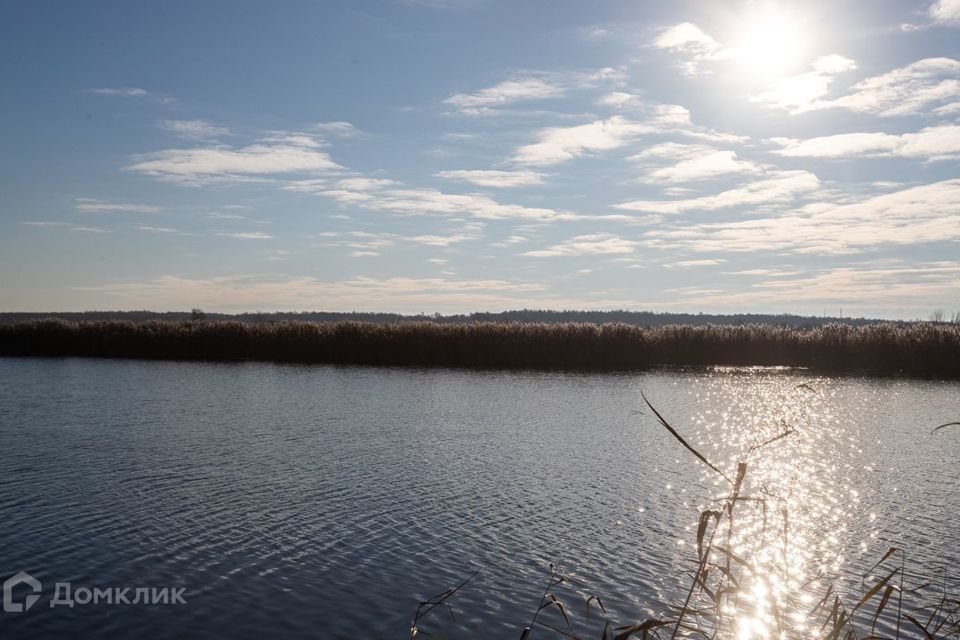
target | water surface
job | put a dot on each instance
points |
(318, 501)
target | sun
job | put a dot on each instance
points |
(769, 44)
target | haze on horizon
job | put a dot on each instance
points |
(480, 155)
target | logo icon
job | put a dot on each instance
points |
(19, 607)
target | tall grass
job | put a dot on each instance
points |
(923, 349)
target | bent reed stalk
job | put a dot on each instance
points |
(921, 349)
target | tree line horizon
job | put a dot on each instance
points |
(642, 318)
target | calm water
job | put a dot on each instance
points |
(323, 502)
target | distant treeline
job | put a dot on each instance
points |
(921, 349)
(642, 318)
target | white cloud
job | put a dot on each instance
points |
(91, 230)
(92, 205)
(533, 85)
(64, 225)
(672, 151)
(557, 144)
(948, 109)
(776, 188)
(839, 146)
(903, 91)
(591, 244)
(932, 143)
(163, 230)
(917, 285)
(44, 224)
(365, 184)
(909, 288)
(506, 92)
(431, 201)
(245, 235)
(689, 264)
(916, 215)
(124, 92)
(564, 143)
(712, 164)
(762, 272)
(498, 179)
(294, 139)
(801, 92)
(340, 129)
(367, 241)
(595, 33)
(346, 196)
(945, 12)
(216, 215)
(695, 46)
(388, 196)
(347, 189)
(619, 100)
(194, 129)
(833, 64)
(441, 241)
(683, 36)
(203, 165)
(591, 79)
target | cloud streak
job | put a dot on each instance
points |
(932, 143)
(92, 205)
(123, 92)
(194, 129)
(591, 244)
(495, 179)
(914, 216)
(277, 155)
(388, 195)
(912, 89)
(519, 89)
(559, 144)
(777, 188)
(704, 165)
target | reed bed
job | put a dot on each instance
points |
(921, 349)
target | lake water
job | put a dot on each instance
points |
(324, 502)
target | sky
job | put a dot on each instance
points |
(481, 155)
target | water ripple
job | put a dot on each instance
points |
(300, 501)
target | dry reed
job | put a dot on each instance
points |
(922, 349)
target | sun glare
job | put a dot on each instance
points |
(769, 44)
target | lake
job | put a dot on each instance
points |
(325, 502)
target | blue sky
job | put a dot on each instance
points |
(463, 155)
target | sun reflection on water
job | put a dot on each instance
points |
(776, 535)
